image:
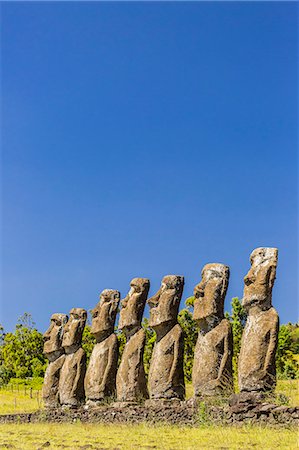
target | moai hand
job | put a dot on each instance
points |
(212, 368)
(71, 383)
(166, 376)
(54, 352)
(101, 372)
(131, 381)
(257, 371)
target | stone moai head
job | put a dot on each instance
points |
(260, 279)
(164, 305)
(133, 304)
(210, 294)
(104, 314)
(73, 330)
(53, 336)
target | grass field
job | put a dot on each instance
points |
(125, 437)
(17, 401)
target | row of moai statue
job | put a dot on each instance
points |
(68, 382)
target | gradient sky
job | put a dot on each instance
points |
(145, 139)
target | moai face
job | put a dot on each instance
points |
(104, 314)
(133, 304)
(53, 335)
(260, 279)
(164, 305)
(210, 293)
(74, 328)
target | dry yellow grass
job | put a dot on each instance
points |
(125, 437)
(18, 402)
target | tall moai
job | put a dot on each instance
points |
(256, 368)
(131, 383)
(54, 352)
(212, 368)
(166, 375)
(71, 382)
(100, 379)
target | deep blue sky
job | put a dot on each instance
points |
(145, 139)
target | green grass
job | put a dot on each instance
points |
(125, 437)
(19, 402)
(289, 388)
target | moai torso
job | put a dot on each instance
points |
(131, 380)
(166, 375)
(71, 383)
(55, 354)
(101, 372)
(212, 368)
(257, 356)
(256, 368)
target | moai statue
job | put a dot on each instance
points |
(131, 381)
(166, 376)
(257, 370)
(71, 383)
(212, 368)
(100, 377)
(54, 352)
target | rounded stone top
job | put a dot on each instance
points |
(263, 254)
(140, 282)
(80, 312)
(59, 317)
(110, 294)
(216, 269)
(173, 281)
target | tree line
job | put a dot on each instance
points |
(21, 351)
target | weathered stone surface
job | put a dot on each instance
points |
(257, 370)
(131, 381)
(166, 377)
(101, 372)
(54, 352)
(212, 369)
(179, 413)
(71, 383)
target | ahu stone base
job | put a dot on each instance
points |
(182, 413)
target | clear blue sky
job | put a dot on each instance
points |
(145, 139)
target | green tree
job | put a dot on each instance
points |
(22, 351)
(188, 325)
(150, 339)
(237, 318)
(88, 341)
(287, 352)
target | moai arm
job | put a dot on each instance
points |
(80, 372)
(270, 356)
(225, 369)
(112, 354)
(175, 363)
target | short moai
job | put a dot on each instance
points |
(256, 368)
(131, 385)
(71, 383)
(54, 352)
(166, 375)
(212, 368)
(100, 379)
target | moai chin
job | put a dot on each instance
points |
(100, 377)
(166, 376)
(71, 383)
(131, 380)
(54, 352)
(257, 370)
(212, 368)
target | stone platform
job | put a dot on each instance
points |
(179, 414)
